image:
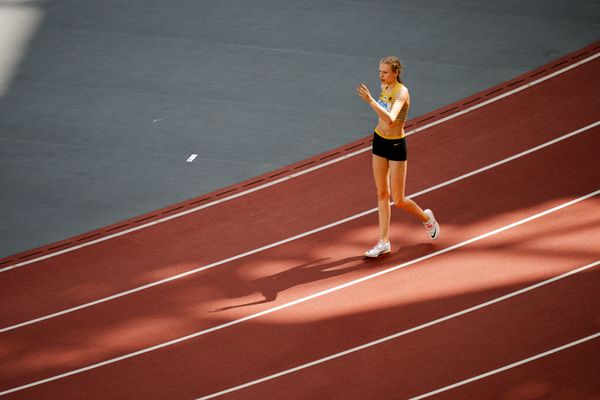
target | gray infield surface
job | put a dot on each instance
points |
(102, 102)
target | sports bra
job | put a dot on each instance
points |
(387, 98)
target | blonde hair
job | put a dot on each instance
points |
(395, 63)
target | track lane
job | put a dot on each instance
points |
(561, 375)
(226, 345)
(475, 343)
(273, 245)
(290, 272)
(74, 278)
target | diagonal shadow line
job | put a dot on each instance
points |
(270, 286)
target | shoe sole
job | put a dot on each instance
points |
(378, 255)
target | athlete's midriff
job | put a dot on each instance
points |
(395, 130)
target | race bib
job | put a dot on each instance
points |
(386, 101)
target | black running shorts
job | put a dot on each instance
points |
(392, 149)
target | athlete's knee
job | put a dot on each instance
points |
(383, 195)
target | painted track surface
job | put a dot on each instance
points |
(226, 351)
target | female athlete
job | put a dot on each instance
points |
(389, 153)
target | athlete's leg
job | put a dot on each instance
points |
(381, 173)
(398, 178)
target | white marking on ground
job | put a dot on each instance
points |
(290, 239)
(334, 289)
(406, 332)
(509, 366)
(301, 172)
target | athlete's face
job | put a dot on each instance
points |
(386, 75)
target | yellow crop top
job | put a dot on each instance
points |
(387, 98)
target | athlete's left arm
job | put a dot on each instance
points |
(397, 106)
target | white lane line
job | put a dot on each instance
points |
(508, 159)
(184, 274)
(398, 334)
(183, 213)
(520, 88)
(319, 294)
(507, 367)
(192, 158)
(290, 239)
(288, 177)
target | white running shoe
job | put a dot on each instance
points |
(380, 248)
(432, 226)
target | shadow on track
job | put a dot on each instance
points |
(270, 286)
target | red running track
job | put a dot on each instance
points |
(266, 314)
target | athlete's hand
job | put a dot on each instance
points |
(364, 93)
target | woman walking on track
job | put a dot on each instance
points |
(389, 153)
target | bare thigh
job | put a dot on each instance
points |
(381, 173)
(398, 178)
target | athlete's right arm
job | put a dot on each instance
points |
(386, 116)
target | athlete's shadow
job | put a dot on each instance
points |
(271, 286)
